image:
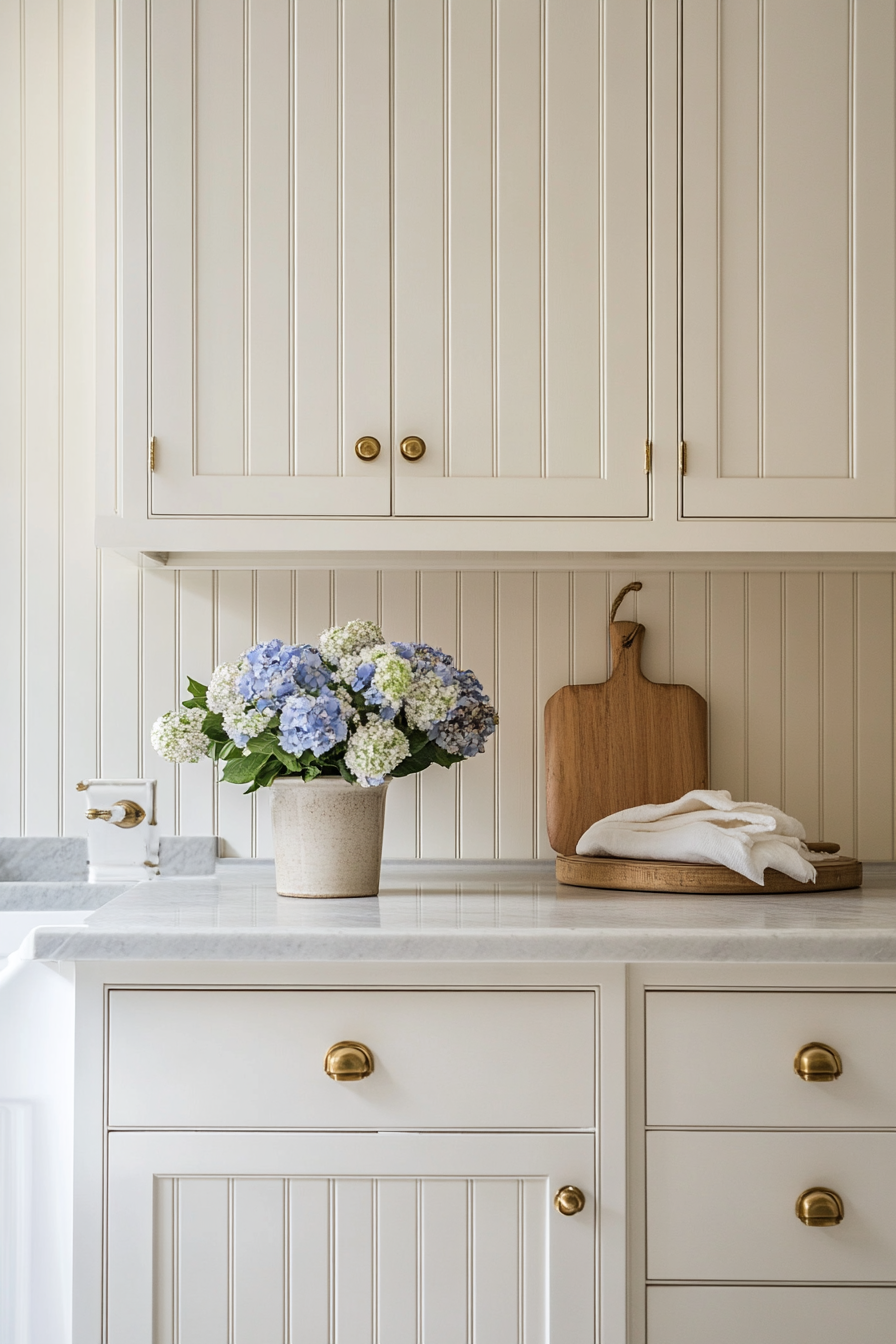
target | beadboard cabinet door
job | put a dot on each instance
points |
(330, 1239)
(789, 245)
(333, 209)
(266, 322)
(521, 257)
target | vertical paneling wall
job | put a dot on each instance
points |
(797, 667)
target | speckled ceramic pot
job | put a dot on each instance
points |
(328, 837)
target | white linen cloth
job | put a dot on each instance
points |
(706, 826)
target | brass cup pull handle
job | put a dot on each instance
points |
(569, 1200)
(367, 448)
(818, 1063)
(819, 1207)
(124, 814)
(412, 449)
(348, 1062)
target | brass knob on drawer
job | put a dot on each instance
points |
(819, 1207)
(347, 1061)
(412, 449)
(367, 448)
(817, 1063)
(569, 1200)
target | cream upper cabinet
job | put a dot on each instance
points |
(268, 329)
(520, 257)
(525, 247)
(344, 219)
(788, 258)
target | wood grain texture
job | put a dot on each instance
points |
(707, 879)
(620, 743)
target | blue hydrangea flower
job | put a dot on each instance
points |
(363, 676)
(467, 727)
(363, 681)
(311, 723)
(425, 658)
(277, 670)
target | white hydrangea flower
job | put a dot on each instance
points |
(246, 723)
(393, 676)
(374, 750)
(428, 701)
(223, 696)
(341, 641)
(241, 721)
(178, 737)
(349, 713)
(392, 671)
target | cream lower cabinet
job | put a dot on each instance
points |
(230, 1189)
(348, 1238)
(810, 1315)
(254, 1197)
(736, 1139)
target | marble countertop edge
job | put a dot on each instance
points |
(47, 943)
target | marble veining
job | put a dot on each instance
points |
(438, 912)
(45, 859)
(58, 895)
(187, 855)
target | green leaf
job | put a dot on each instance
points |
(424, 753)
(242, 769)
(269, 772)
(292, 763)
(263, 743)
(411, 765)
(442, 757)
(198, 694)
(345, 772)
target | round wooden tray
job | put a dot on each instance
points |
(611, 874)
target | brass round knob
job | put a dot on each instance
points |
(819, 1207)
(817, 1063)
(367, 449)
(412, 449)
(569, 1200)
(348, 1061)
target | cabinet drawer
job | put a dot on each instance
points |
(442, 1059)
(722, 1206)
(717, 1058)
(683, 1315)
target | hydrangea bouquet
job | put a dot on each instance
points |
(354, 707)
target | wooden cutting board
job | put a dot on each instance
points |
(620, 743)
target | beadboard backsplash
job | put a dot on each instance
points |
(797, 666)
(797, 669)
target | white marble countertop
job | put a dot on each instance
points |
(472, 912)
